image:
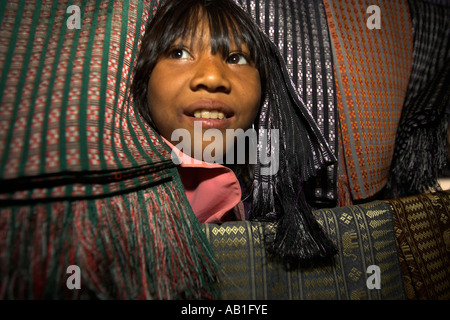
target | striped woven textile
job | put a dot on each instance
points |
(422, 229)
(420, 146)
(299, 29)
(364, 235)
(65, 116)
(372, 68)
(83, 180)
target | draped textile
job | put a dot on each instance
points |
(372, 68)
(299, 29)
(83, 180)
(420, 144)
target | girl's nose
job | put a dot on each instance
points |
(210, 74)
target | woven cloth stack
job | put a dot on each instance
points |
(85, 182)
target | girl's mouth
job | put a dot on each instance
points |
(210, 114)
(209, 109)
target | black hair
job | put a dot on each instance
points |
(179, 19)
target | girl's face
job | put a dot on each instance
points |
(191, 84)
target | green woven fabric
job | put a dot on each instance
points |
(83, 180)
(364, 235)
(66, 118)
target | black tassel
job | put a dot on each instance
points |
(296, 236)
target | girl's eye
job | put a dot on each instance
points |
(179, 54)
(237, 58)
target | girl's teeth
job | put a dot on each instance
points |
(213, 114)
(209, 114)
(205, 114)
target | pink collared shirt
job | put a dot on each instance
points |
(213, 190)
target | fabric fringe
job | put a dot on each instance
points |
(421, 142)
(423, 162)
(36, 252)
(127, 247)
(297, 238)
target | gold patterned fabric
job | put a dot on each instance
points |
(422, 227)
(364, 235)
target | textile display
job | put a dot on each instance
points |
(87, 185)
(420, 145)
(84, 182)
(422, 229)
(364, 235)
(300, 31)
(372, 68)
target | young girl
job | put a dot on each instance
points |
(205, 65)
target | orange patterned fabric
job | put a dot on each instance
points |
(372, 68)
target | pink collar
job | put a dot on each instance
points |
(212, 189)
